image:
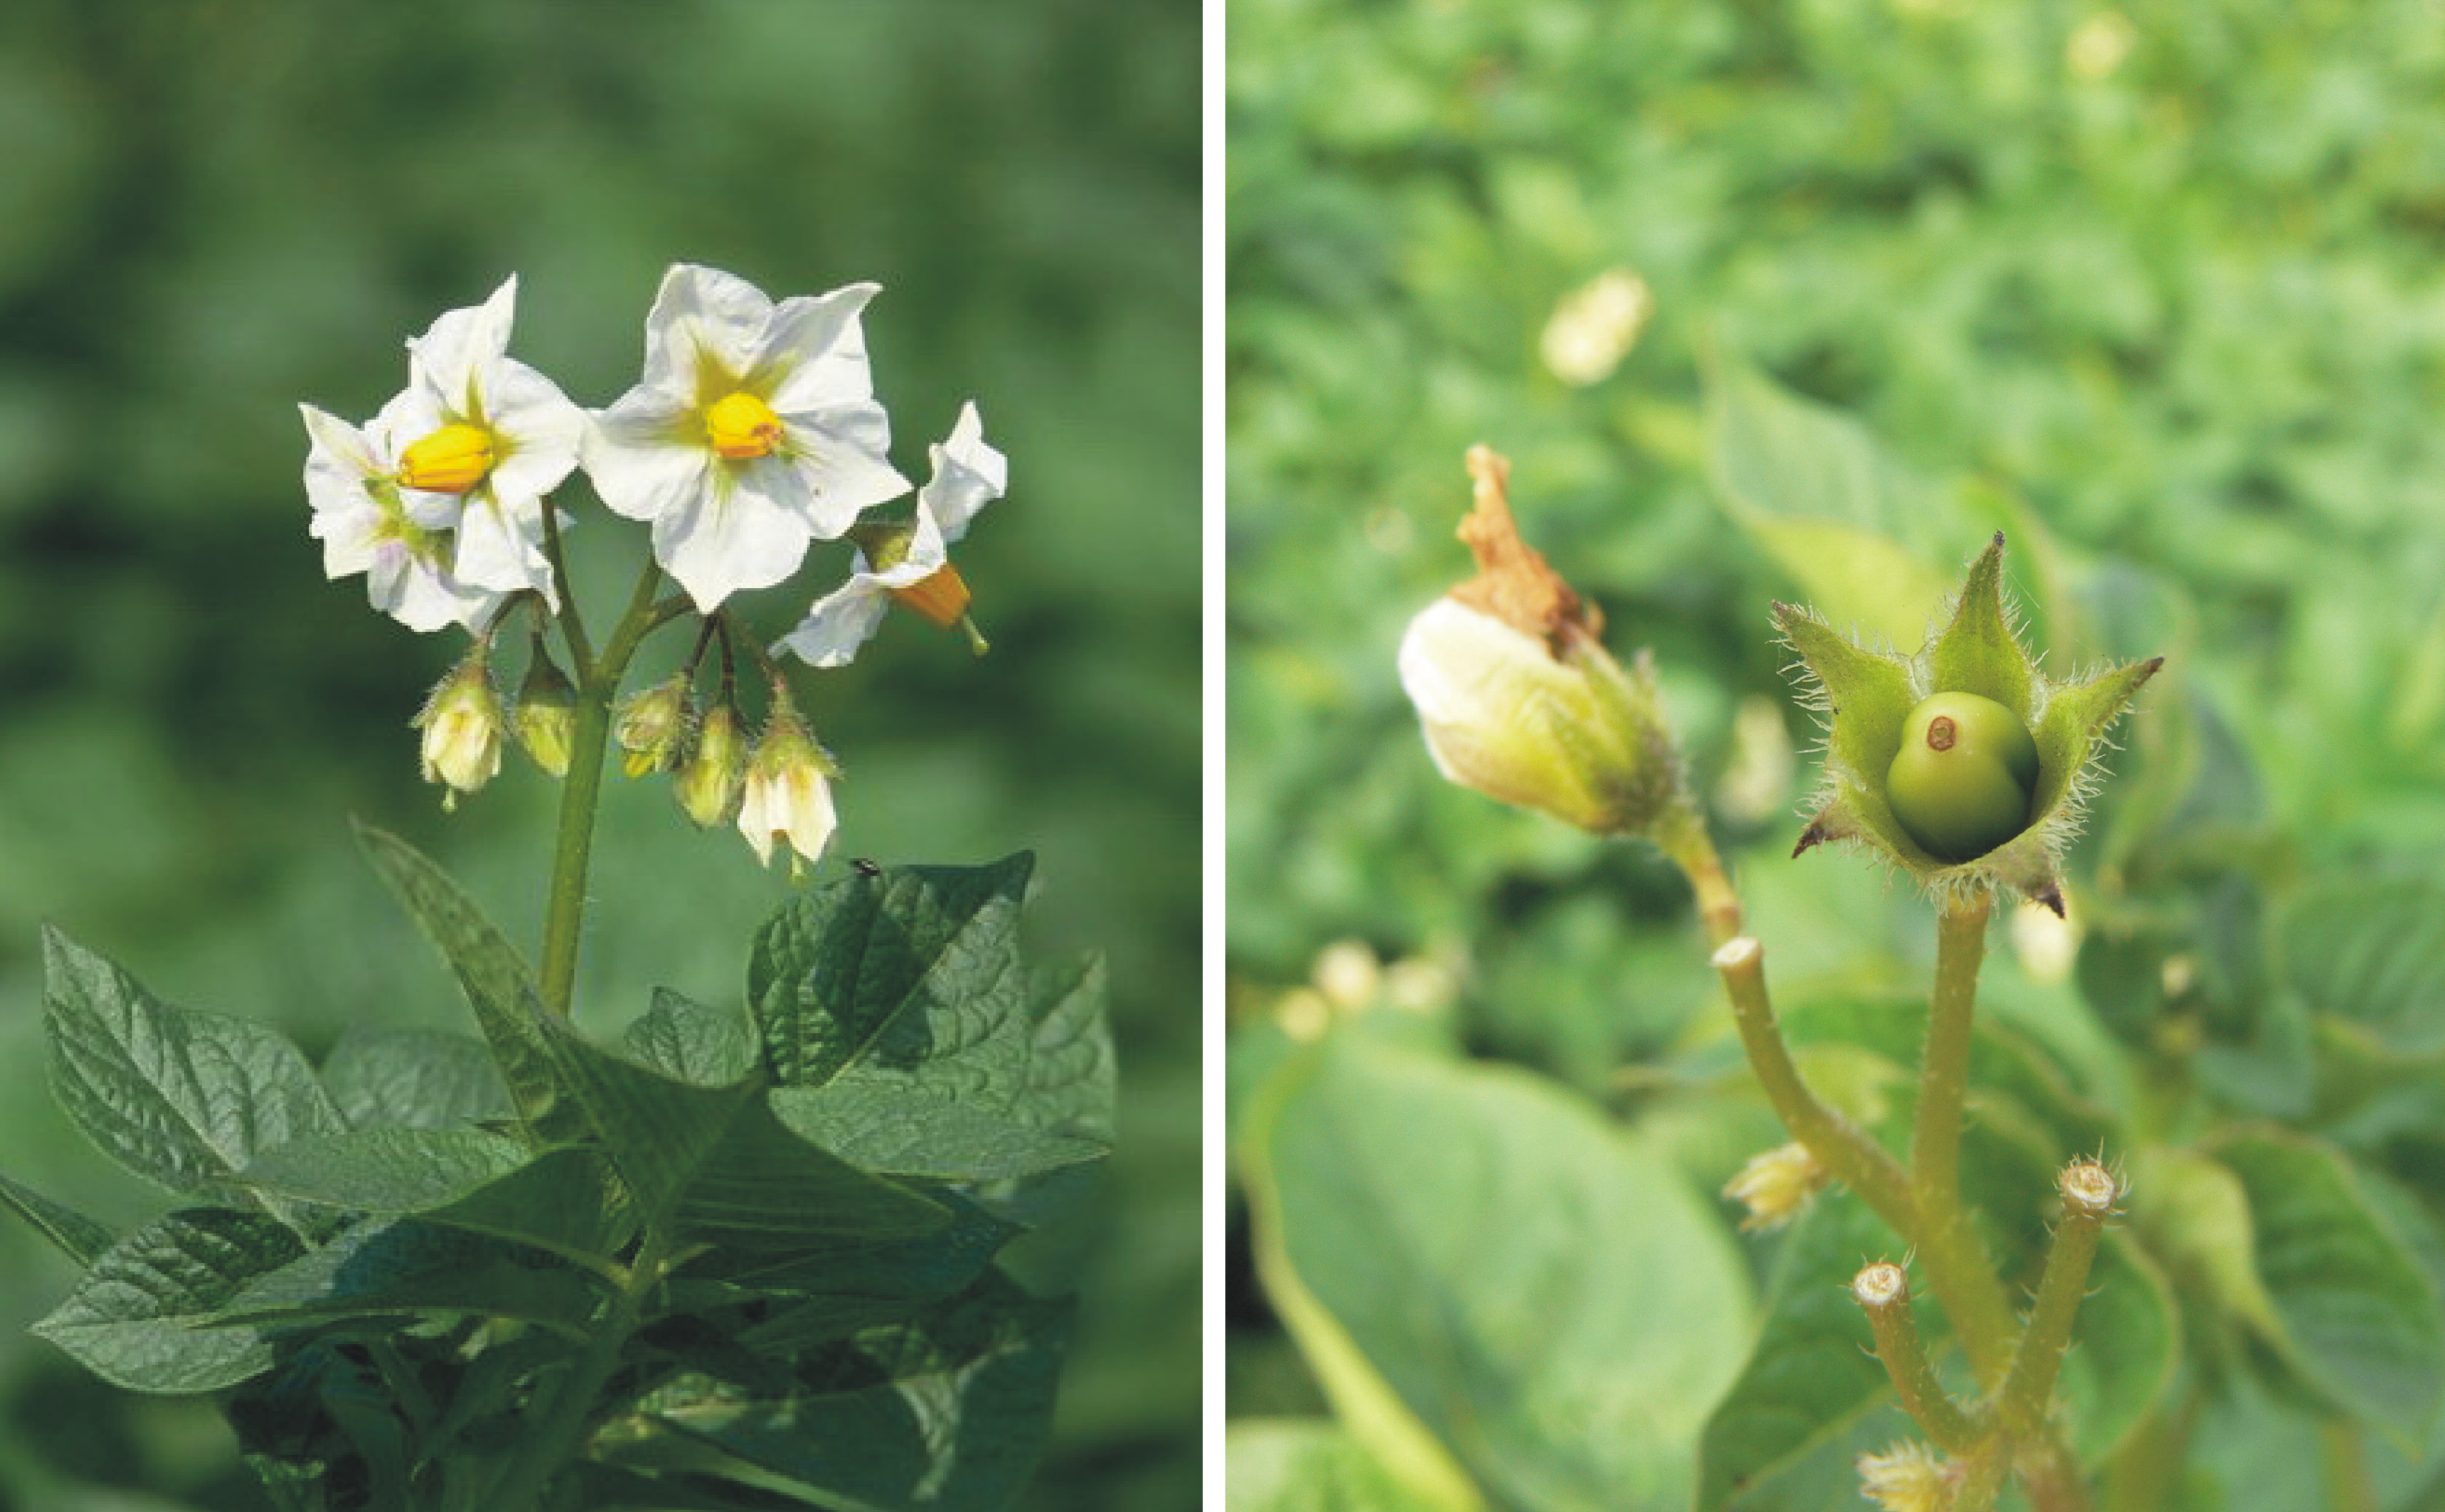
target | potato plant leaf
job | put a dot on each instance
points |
(143, 1317)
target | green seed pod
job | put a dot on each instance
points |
(1992, 811)
(1961, 782)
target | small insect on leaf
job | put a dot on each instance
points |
(866, 866)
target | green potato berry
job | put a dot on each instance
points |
(1961, 783)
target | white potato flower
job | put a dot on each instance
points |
(753, 433)
(482, 438)
(352, 483)
(909, 563)
(788, 796)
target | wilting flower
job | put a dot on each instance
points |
(352, 482)
(788, 794)
(462, 728)
(753, 433)
(482, 438)
(1908, 1478)
(1516, 696)
(909, 562)
(1777, 1185)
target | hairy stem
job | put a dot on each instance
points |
(560, 1425)
(1681, 833)
(2021, 1405)
(1882, 1291)
(580, 791)
(1840, 1145)
(1958, 1266)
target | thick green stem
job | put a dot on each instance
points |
(1840, 1145)
(559, 1428)
(582, 790)
(1958, 1266)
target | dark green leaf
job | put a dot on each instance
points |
(82, 1237)
(908, 1039)
(1814, 1372)
(386, 1170)
(497, 984)
(945, 1413)
(410, 1266)
(608, 1487)
(719, 1162)
(2360, 1318)
(1467, 1251)
(415, 1079)
(935, 1266)
(568, 1201)
(690, 1043)
(141, 1316)
(184, 1098)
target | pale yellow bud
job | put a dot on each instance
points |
(1775, 1186)
(715, 776)
(462, 729)
(546, 716)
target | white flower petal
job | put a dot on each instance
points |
(536, 425)
(968, 474)
(814, 350)
(838, 453)
(702, 314)
(498, 548)
(450, 359)
(641, 458)
(730, 537)
(839, 622)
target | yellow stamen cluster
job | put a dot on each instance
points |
(451, 461)
(1909, 1478)
(742, 426)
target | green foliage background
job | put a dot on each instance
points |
(2155, 289)
(214, 209)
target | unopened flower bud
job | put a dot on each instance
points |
(547, 715)
(1777, 1185)
(715, 775)
(462, 728)
(1517, 698)
(788, 793)
(654, 725)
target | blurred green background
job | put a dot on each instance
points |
(213, 209)
(2154, 288)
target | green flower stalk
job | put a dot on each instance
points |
(1922, 757)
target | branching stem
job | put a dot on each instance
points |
(560, 1426)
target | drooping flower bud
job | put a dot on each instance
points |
(547, 714)
(654, 725)
(462, 728)
(1516, 697)
(788, 793)
(710, 782)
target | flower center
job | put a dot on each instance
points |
(942, 595)
(451, 461)
(742, 426)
